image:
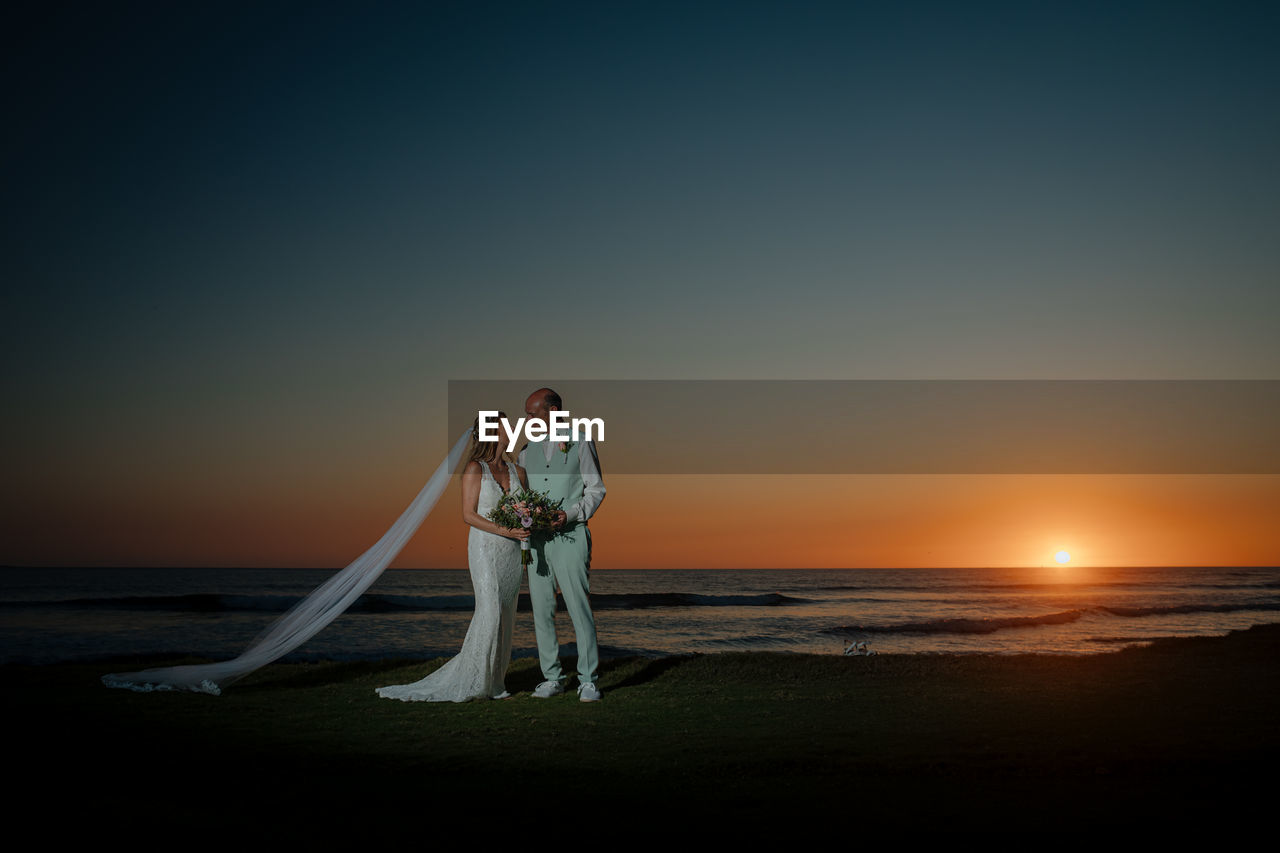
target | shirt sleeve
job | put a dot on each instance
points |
(592, 485)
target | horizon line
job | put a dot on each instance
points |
(674, 569)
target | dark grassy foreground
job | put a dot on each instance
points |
(1181, 734)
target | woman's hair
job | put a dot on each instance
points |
(485, 451)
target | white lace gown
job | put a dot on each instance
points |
(480, 669)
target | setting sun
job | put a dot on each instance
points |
(1062, 556)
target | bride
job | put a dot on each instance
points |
(493, 554)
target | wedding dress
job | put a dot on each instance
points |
(481, 667)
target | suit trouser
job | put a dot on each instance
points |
(564, 560)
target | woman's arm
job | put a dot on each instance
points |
(524, 479)
(471, 499)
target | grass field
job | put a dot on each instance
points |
(759, 746)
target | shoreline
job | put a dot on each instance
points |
(157, 659)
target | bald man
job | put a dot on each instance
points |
(569, 471)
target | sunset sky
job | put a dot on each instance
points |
(247, 247)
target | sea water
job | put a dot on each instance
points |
(58, 614)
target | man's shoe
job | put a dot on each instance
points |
(588, 692)
(547, 689)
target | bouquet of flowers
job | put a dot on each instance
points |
(534, 511)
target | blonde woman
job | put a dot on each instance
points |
(493, 555)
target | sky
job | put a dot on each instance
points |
(248, 246)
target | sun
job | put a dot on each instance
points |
(1062, 557)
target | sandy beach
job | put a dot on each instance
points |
(1177, 733)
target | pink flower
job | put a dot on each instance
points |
(564, 448)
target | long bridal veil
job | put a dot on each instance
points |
(310, 615)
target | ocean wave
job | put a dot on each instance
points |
(212, 602)
(978, 625)
(383, 603)
(1161, 610)
(645, 600)
(961, 625)
(957, 585)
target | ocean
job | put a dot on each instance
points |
(80, 614)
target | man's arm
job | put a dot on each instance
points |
(592, 484)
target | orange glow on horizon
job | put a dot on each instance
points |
(651, 521)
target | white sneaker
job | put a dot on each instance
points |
(547, 689)
(588, 692)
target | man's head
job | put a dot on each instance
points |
(540, 403)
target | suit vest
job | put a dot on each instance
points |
(561, 477)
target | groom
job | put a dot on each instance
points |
(569, 471)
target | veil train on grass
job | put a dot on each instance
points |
(310, 615)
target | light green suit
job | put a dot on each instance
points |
(563, 559)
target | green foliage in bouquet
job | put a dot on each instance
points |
(526, 508)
